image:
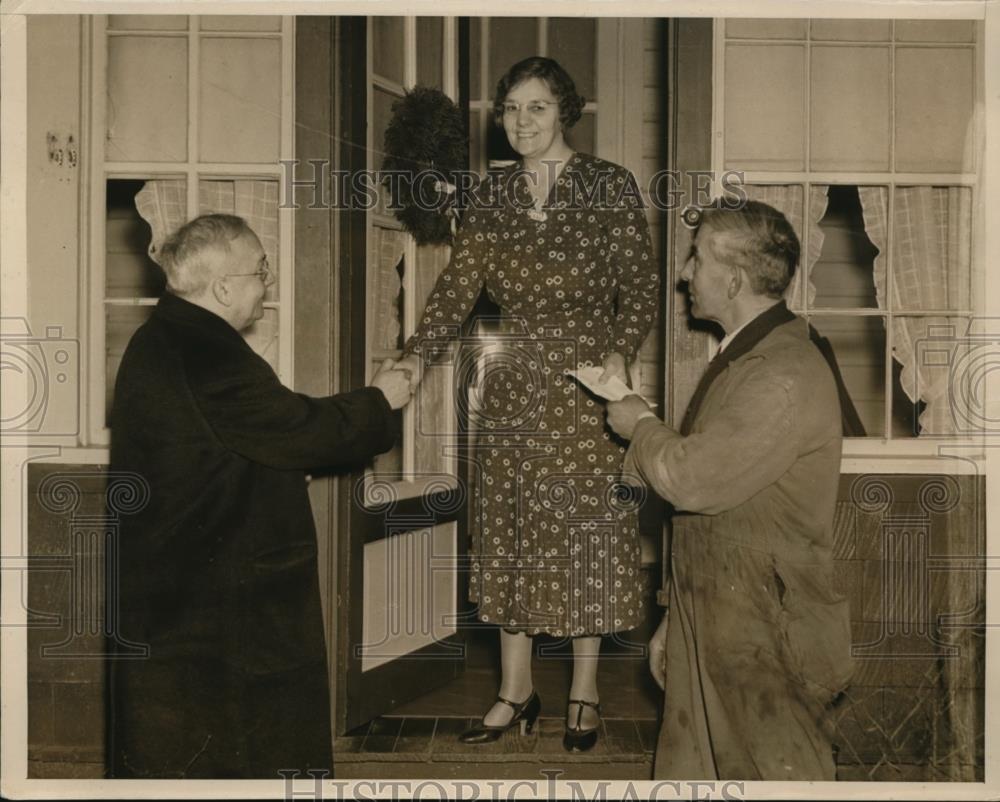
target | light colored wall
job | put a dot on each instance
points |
(53, 242)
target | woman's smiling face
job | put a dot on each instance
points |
(531, 119)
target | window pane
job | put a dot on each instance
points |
(498, 149)
(147, 22)
(120, 324)
(239, 22)
(162, 203)
(388, 47)
(431, 260)
(434, 410)
(511, 39)
(388, 466)
(581, 136)
(844, 273)
(931, 258)
(934, 109)
(764, 107)
(849, 107)
(128, 270)
(935, 30)
(430, 51)
(385, 292)
(859, 345)
(147, 109)
(381, 115)
(766, 28)
(240, 100)
(851, 30)
(256, 201)
(947, 374)
(476, 89)
(573, 43)
(434, 406)
(476, 142)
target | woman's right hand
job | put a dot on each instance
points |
(413, 365)
(393, 383)
(658, 652)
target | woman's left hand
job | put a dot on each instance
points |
(614, 365)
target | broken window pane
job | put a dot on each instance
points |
(843, 274)
(128, 270)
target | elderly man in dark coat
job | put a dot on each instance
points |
(758, 643)
(218, 573)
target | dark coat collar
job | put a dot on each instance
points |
(748, 339)
(751, 334)
(176, 311)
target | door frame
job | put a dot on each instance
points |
(362, 695)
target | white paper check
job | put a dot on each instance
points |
(613, 390)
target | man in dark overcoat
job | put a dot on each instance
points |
(755, 646)
(218, 571)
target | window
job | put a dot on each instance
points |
(404, 52)
(189, 115)
(863, 132)
(496, 43)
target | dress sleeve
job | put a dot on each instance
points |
(636, 272)
(458, 286)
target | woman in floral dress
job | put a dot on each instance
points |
(561, 244)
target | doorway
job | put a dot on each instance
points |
(411, 696)
(419, 739)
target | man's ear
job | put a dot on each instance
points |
(221, 291)
(736, 279)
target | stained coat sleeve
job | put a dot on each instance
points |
(744, 447)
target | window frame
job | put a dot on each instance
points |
(410, 485)
(934, 454)
(95, 304)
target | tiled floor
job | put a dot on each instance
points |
(424, 748)
(420, 738)
(436, 738)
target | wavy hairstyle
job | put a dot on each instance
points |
(555, 77)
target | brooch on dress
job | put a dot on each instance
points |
(536, 213)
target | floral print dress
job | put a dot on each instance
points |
(555, 545)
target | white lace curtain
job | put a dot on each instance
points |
(931, 271)
(789, 200)
(162, 203)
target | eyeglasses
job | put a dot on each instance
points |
(535, 107)
(261, 274)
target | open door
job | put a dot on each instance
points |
(402, 523)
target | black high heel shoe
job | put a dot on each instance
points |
(525, 714)
(577, 739)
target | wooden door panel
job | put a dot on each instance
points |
(403, 531)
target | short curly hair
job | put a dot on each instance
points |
(760, 240)
(555, 77)
(182, 255)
